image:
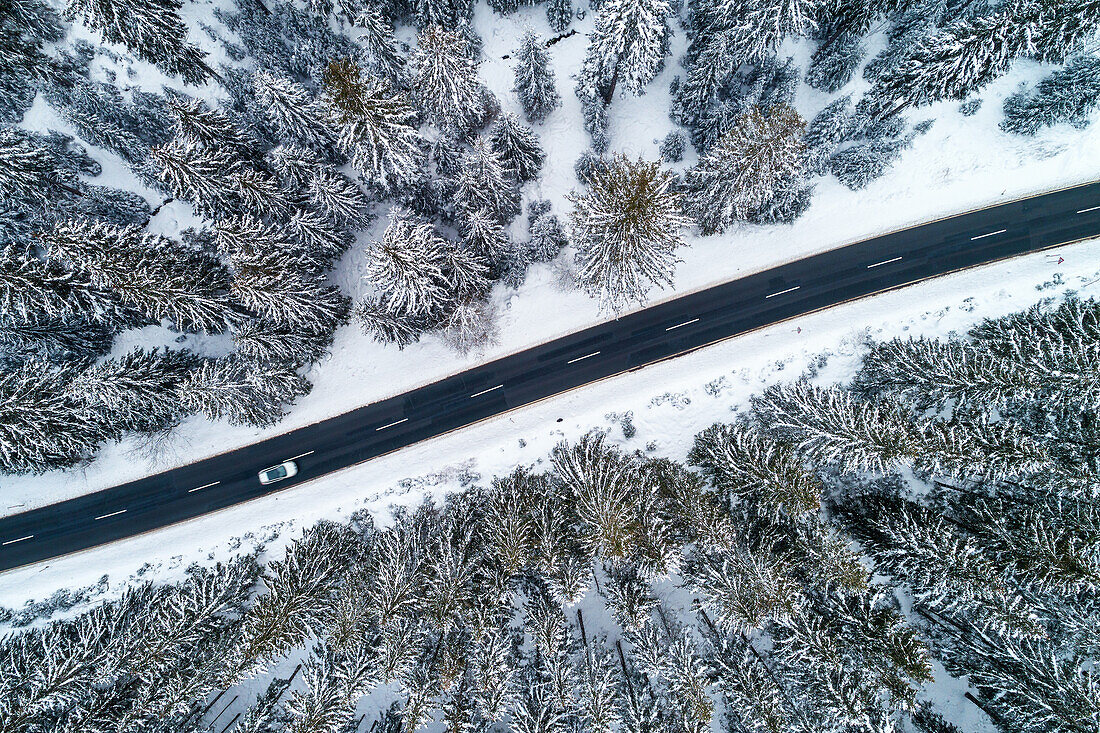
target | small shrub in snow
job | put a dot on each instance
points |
(673, 146)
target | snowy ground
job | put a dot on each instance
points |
(962, 163)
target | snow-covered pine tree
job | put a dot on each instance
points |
(763, 472)
(376, 125)
(25, 25)
(743, 171)
(465, 272)
(626, 228)
(151, 274)
(834, 64)
(953, 62)
(317, 236)
(484, 235)
(559, 15)
(263, 342)
(744, 588)
(535, 85)
(629, 45)
(207, 127)
(53, 340)
(444, 79)
(517, 146)
(199, 175)
(293, 164)
(241, 391)
(857, 165)
(470, 326)
(547, 237)
(138, 391)
(258, 194)
(441, 13)
(825, 132)
(32, 290)
(37, 172)
(387, 327)
(941, 372)
(300, 590)
(601, 482)
(1066, 95)
(293, 112)
(339, 197)
(41, 426)
(407, 268)
(629, 597)
(153, 31)
(485, 183)
(378, 39)
(599, 705)
(277, 291)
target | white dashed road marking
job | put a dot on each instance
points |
(484, 391)
(390, 425)
(112, 514)
(204, 486)
(884, 262)
(990, 234)
(685, 323)
(781, 292)
(12, 542)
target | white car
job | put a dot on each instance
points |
(286, 469)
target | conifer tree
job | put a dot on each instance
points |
(35, 173)
(484, 235)
(151, 274)
(293, 112)
(263, 342)
(376, 125)
(444, 81)
(975, 49)
(441, 13)
(834, 64)
(387, 327)
(627, 227)
(766, 473)
(290, 298)
(42, 426)
(243, 392)
(31, 289)
(153, 31)
(469, 326)
(559, 15)
(294, 164)
(407, 267)
(535, 85)
(199, 175)
(258, 194)
(484, 183)
(138, 391)
(378, 39)
(1066, 95)
(517, 146)
(339, 197)
(759, 27)
(742, 589)
(743, 171)
(197, 123)
(628, 45)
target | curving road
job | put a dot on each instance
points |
(633, 341)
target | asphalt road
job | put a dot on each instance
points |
(659, 332)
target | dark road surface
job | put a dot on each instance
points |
(641, 338)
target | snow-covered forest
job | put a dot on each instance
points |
(294, 133)
(813, 565)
